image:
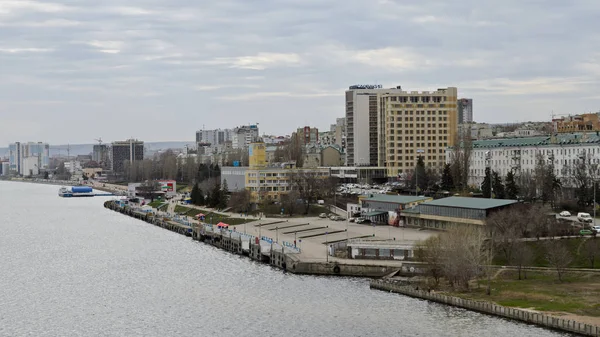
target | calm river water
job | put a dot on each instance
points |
(69, 267)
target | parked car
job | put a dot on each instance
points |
(585, 232)
(360, 220)
(322, 215)
(584, 217)
(595, 229)
(565, 213)
(351, 219)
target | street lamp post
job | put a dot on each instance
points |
(326, 246)
(277, 234)
(488, 159)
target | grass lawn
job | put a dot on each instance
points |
(155, 203)
(575, 246)
(215, 217)
(314, 210)
(579, 293)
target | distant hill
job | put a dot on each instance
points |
(85, 149)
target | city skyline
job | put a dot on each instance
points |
(75, 71)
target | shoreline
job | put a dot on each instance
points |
(523, 315)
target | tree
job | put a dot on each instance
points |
(558, 256)
(486, 184)
(591, 250)
(497, 186)
(289, 202)
(431, 252)
(197, 196)
(464, 255)
(523, 257)
(46, 175)
(512, 189)
(309, 186)
(215, 197)
(419, 178)
(240, 201)
(460, 160)
(223, 196)
(447, 182)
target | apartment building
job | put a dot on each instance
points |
(126, 151)
(520, 155)
(306, 135)
(417, 124)
(364, 127)
(243, 136)
(28, 158)
(465, 110)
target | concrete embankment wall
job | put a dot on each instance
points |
(547, 321)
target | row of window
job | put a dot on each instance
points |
(412, 158)
(391, 145)
(418, 99)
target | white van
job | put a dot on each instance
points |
(584, 217)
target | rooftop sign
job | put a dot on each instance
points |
(366, 86)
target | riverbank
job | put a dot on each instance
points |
(527, 316)
(280, 253)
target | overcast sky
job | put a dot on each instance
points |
(74, 70)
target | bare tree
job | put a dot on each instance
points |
(289, 202)
(591, 250)
(431, 252)
(240, 201)
(309, 185)
(460, 160)
(522, 257)
(558, 256)
(465, 255)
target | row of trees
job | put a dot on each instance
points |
(167, 166)
(465, 253)
(216, 197)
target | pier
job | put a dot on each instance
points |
(282, 254)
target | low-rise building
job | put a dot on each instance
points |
(235, 177)
(383, 208)
(322, 156)
(448, 212)
(359, 174)
(381, 250)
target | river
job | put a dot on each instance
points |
(70, 267)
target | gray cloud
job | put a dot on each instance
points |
(159, 70)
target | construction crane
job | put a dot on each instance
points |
(99, 140)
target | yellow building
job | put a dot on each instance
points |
(273, 182)
(577, 123)
(418, 124)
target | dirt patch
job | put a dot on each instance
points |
(577, 318)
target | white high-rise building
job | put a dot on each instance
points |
(28, 159)
(243, 136)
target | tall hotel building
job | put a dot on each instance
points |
(417, 124)
(364, 130)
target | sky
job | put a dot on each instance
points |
(72, 71)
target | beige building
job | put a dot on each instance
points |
(417, 124)
(324, 156)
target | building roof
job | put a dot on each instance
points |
(474, 203)
(396, 199)
(559, 139)
(376, 213)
